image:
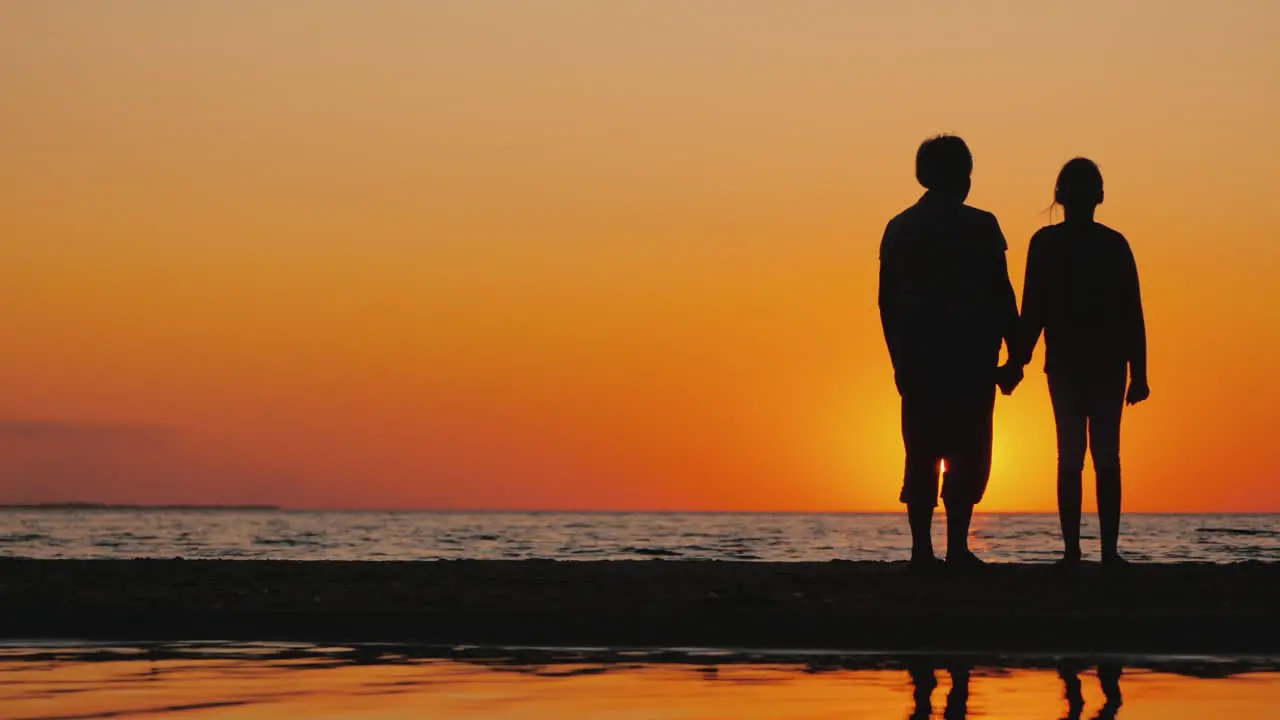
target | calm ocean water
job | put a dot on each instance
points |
(299, 535)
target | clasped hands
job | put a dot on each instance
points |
(1008, 376)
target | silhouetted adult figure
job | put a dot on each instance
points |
(1081, 290)
(946, 304)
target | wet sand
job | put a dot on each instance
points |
(376, 683)
(1182, 608)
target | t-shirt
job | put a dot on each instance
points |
(946, 301)
(1081, 290)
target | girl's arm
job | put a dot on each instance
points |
(1136, 337)
(1031, 323)
(1006, 302)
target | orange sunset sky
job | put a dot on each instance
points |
(595, 255)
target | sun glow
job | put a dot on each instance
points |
(400, 255)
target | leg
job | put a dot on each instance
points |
(1070, 675)
(957, 707)
(959, 518)
(920, 518)
(920, 477)
(1109, 678)
(923, 681)
(1106, 405)
(1071, 422)
(968, 449)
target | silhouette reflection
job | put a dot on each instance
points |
(395, 681)
(923, 683)
(1108, 679)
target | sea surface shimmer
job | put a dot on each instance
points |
(304, 535)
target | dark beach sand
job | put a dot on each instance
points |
(1183, 608)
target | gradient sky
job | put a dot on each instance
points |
(595, 254)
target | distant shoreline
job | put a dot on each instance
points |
(110, 506)
(517, 511)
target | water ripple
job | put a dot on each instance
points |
(298, 535)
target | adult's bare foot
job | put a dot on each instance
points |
(1068, 563)
(964, 560)
(1113, 561)
(924, 564)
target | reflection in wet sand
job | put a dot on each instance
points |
(923, 682)
(1108, 680)
(372, 683)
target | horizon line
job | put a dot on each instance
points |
(269, 507)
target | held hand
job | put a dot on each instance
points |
(1008, 377)
(1138, 391)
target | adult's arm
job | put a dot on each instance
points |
(890, 312)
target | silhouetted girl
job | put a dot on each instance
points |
(1081, 290)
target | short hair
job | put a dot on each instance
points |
(943, 161)
(1079, 183)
